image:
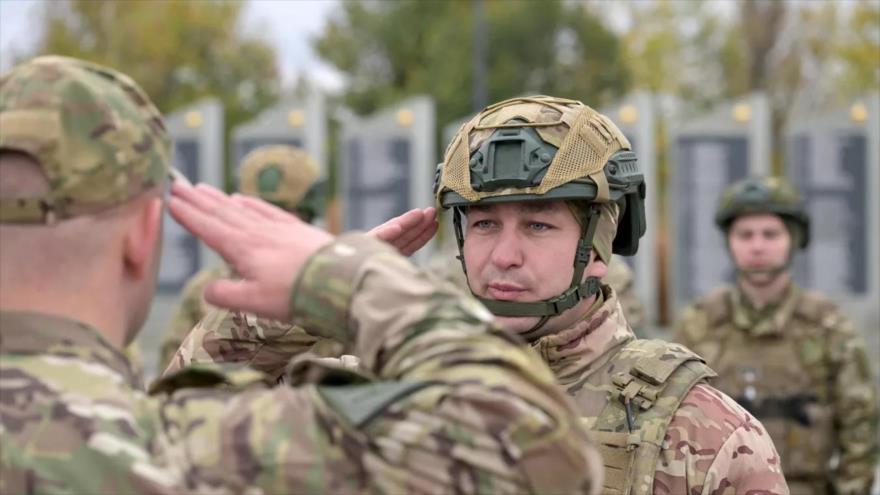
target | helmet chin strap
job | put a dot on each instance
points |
(577, 291)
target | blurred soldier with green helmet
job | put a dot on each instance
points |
(788, 355)
(282, 175)
(440, 405)
(543, 191)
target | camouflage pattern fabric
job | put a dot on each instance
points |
(136, 359)
(191, 308)
(711, 445)
(98, 137)
(193, 311)
(281, 175)
(620, 278)
(802, 368)
(483, 416)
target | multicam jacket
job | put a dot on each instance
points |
(703, 441)
(190, 310)
(453, 405)
(801, 368)
(700, 443)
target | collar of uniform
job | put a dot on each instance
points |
(587, 344)
(23, 332)
(771, 320)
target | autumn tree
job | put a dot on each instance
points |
(179, 51)
(390, 50)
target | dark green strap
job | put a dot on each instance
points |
(360, 404)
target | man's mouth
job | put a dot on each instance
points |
(505, 291)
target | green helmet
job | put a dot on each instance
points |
(764, 195)
(546, 148)
(284, 176)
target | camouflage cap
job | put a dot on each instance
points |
(764, 195)
(281, 175)
(95, 133)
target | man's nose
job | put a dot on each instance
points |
(507, 251)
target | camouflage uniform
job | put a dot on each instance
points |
(661, 428)
(680, 435)
(798, 364)
(282, 175)
(445, 403)
(620, 278)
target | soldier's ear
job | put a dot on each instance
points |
(143, 238)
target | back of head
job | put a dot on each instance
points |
(282, 175)
(78, 143)
(94, 133)
(755, 195)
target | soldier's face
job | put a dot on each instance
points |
(759, 243)
(525, 252)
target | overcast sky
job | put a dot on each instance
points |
(288, 24)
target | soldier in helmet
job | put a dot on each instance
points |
(787, 355)
(442, 405)
(543, 191)
(282, 175)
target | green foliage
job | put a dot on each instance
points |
(391, 50)
(859, 50)
(179, 51)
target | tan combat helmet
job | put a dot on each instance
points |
(284, 176)
(544, 148)
(765, 195)
(96, 135)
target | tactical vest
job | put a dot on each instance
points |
(653, 378)
(783, 380)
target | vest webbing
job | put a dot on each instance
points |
(655, 377)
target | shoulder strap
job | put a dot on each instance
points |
(360, 404)
(654, 378)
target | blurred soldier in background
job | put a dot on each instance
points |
(548, 189)
(282, 175)
(444, 404)
(620, 278)
(787, 355)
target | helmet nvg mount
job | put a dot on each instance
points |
(544, 148)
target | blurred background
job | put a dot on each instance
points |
(707, 91)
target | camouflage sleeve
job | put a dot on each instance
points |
(224, 336)
(487, 417)
(713, 445)
(190, 309)
(854, 401)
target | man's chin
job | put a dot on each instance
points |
(516, 324)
